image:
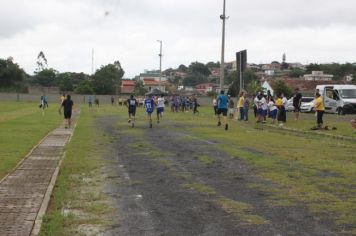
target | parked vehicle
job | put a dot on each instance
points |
(307, 104)
(289, 106)
(339, 98)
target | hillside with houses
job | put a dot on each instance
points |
(203, 79)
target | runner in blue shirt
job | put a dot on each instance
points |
(222, 108)
(150, 106)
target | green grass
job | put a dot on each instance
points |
(206, 160)
(306, 168)
(241, 210)
(22, 126)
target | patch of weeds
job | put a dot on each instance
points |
(184, 175)
(242, 211)
(165, 162)
(201, 188)
(136, 145)
(206, 160)
(235, 175)
(98, 208)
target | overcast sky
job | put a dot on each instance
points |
(308, 31)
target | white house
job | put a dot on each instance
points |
(266, 86)
(318, 75)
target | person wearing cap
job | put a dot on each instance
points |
(222, 108)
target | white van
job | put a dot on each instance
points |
(338, 98)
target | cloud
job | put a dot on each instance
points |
(68, 30)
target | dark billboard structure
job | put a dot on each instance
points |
(241, 64)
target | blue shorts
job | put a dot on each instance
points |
(149, 111)
(160, 110)
(274, 114)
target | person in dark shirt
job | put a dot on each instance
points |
(132, 104)
(67, 106)
(297, 101)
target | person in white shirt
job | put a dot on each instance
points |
(264, 106)
(160, 107)
(273, 110)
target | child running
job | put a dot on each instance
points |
(160, 108)
(132, 104)
(150, 106)
(222, 108)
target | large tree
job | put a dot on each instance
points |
(199, 69)
(139, 89)
(107, 78)
(280, 87)
(46, 77)
(11, 75)
(234, 79)
(194, 80)
(85, 87)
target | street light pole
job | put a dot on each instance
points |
(160, 63)
(222, 65)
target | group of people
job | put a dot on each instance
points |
(184, 104)
(150, 104)
(265, 106)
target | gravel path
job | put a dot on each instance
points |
(166, 182)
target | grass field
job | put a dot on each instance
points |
(313, 168)
(22, 126)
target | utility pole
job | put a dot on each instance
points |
(160, 63)
(222, 65)
(92, 61)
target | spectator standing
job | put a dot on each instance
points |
(215, 106)
(96, 101)
(240, 105)
(246, 108)
(195, 105)
(297, 101)
(231, 107)
(273, 110)
(353, 124)
(160, 108)
(320, 109)
(282, 116)
(90, 101)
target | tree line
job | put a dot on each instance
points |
(105, 80)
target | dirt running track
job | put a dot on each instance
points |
(160, 186)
